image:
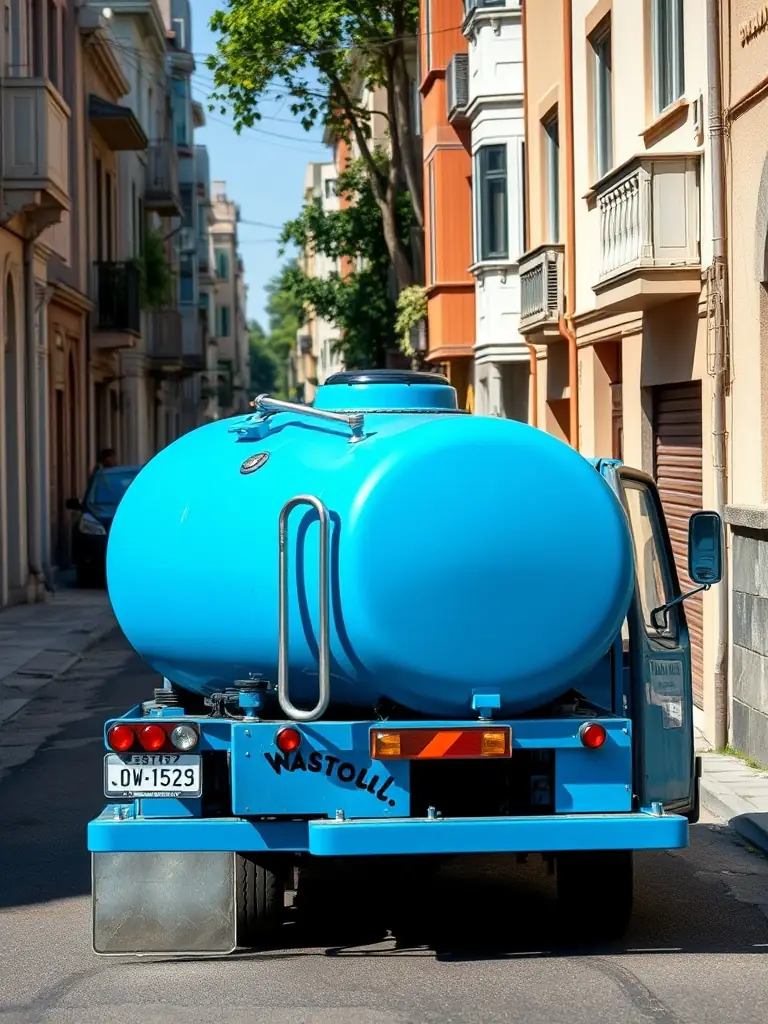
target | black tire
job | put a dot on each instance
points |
(260, 899)
(595, 894)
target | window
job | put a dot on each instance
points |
(432, 226)
(668, 50)
(470, 5)
(651, 565)
(186, 279)
(428, 31)
(603, 102)
(330, 188)
(97, 173)
(492, 211)
(222, 264)
(223, 314)
(180, 93)
(53, 44)
(552, 176)
(185, 192)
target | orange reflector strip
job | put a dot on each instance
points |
(434, 744)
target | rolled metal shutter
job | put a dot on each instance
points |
(678, 470)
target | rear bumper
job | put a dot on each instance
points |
(388, 837)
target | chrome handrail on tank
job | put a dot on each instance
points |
(324, 643)
(269, 406)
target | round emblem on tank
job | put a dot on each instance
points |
(254, 462)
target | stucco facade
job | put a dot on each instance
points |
(745, 97)
(495, 115)
(641, 296)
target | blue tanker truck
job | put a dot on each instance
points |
(388, 629)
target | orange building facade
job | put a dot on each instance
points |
(447, 202)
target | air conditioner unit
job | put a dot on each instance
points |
(304, 344)
(187, 240)
(457, 85)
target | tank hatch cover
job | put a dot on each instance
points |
(387, 377)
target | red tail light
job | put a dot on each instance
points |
(121, 737)
(592, 735)
(288, 740)
(152, 737)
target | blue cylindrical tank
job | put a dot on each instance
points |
(467, 554)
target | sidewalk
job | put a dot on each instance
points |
(735, 793)
(40, 642)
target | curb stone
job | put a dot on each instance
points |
(722, 779)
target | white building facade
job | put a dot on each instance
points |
(492, 103)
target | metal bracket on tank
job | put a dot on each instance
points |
(324, 644)
(266, 407)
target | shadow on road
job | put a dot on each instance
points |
(478, 908)
(46, 801)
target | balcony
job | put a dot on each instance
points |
(541, 291)
(161, 192)
(118, 305)
(649, 233)
(164, 349)
(35, 151)
(457, 88)
(117, 125)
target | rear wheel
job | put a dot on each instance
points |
(595, 893)
(260, 898)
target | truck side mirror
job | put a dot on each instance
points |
(705, 548)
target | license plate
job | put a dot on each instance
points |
(153, 775)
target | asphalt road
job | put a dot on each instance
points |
(697, 950)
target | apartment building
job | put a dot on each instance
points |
(744, 35)
(91, 355)
(230, 327)
(36, 94)
(618, 284)
(314, 358)
(450, 286)
(491, 103)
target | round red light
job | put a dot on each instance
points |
(593, 735)
(121, 737)
(288, 740)
(152, 737)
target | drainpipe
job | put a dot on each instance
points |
(533, 415)
(717, 279)
(34, 467)
(565, 323)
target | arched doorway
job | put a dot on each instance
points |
(14, 443)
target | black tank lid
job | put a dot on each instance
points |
(387, 377)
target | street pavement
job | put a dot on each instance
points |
(483, 945)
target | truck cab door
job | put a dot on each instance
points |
(661, 696)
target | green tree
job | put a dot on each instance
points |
(285, 313)
(319, 54)
(265, 371)
(360, 303)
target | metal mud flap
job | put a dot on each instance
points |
(163, 903)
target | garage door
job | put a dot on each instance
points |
(678, 437)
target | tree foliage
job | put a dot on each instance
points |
(321, 54)
(411, 310)
(265, 369)
(358, 296)
(270, 352)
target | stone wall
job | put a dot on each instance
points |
(749, 631)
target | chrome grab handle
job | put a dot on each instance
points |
(324, 644)
(269, 406)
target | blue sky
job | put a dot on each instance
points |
(264, 173)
